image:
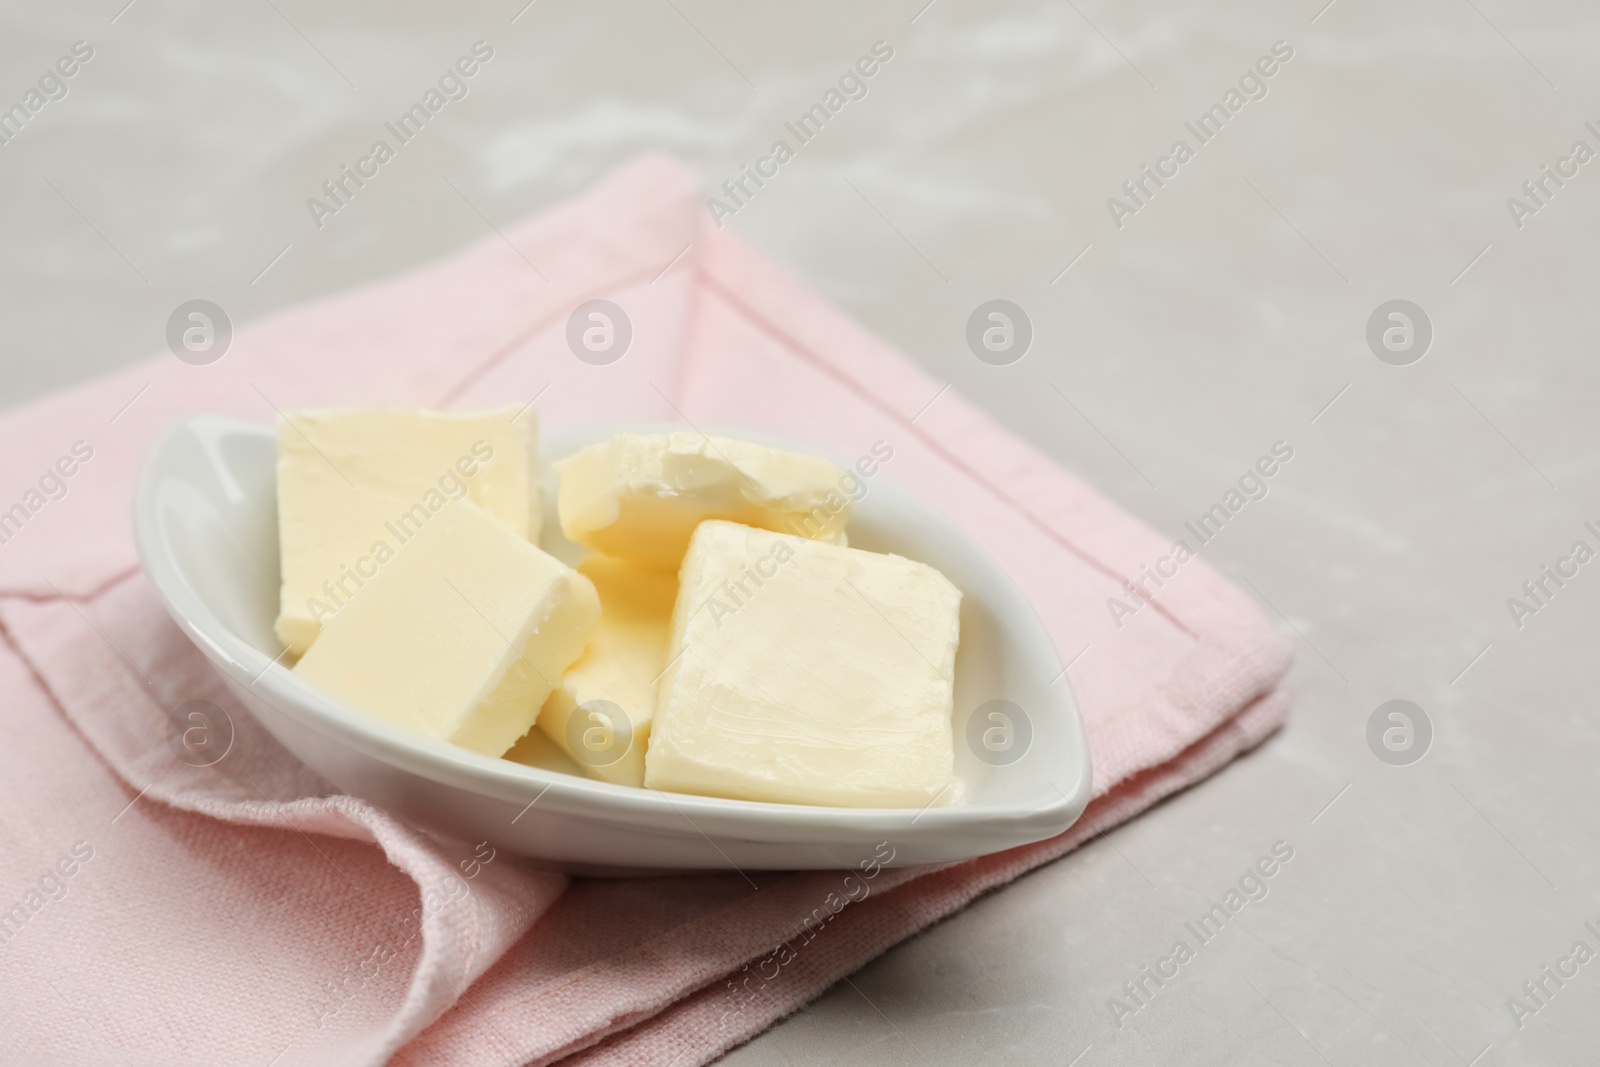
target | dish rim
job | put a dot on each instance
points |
(499, 778)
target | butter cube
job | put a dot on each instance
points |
(639, 496)
(806, 673)
(353, 485)
(460, 636)
(600, 711)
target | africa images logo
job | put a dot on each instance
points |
(851, 85)
(452, 85)
(1252, 85)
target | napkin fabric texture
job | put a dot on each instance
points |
(153, 912)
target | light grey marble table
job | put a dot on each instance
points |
(1216, 313)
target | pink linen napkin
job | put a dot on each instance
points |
(156, 912)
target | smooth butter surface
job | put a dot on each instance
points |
(620, 667)
(354, 485)
(460, 636)
(639, 497)
(806, 673)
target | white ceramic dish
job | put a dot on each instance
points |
(206, 520)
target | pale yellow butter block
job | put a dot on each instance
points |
(807, 673)
(354, 485)
(639, 496)
(617, 675)
(461, 636)
(534, 749)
